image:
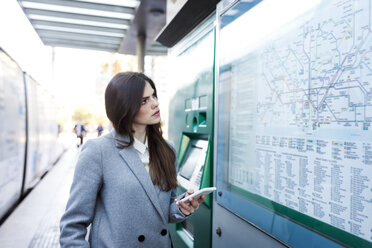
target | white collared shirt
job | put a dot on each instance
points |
(143, 152)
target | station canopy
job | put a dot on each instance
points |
(106, 25)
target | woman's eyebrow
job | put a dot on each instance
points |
(145, 97)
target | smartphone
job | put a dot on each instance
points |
(198, 193)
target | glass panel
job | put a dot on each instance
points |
(294, 116)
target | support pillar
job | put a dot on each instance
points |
(141, 39)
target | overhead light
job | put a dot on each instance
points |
(79, 31)
(126, 3)
(76, 21)
(76, 10)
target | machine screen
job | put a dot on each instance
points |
(190, 173)
(191, 160)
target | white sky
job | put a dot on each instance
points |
(76, 72)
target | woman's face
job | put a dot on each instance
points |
(149, 112)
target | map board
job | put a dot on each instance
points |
(295, 80)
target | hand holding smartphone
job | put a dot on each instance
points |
(197, 194)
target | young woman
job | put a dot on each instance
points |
(124, 183)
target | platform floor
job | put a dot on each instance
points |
(35, 222)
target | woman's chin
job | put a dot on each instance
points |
(156, 121)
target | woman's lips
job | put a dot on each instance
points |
(157, 113)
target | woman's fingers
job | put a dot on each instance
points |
(192, 205)
(185, 208)
(195, 204)
(201, 199)
(189, 192)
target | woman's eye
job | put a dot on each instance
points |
(144, 101)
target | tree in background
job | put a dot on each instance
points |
(89, 117)
(83, 114)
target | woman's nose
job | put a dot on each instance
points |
(155, 102)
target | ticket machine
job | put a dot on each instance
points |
(191, 129)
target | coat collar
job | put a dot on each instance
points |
(133, 161)
(119, 138)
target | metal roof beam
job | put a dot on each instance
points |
(37, 23)
(44, 34)
(85, 5)
(157, 51)
(157, 44)
(32, 11)
(79, 42)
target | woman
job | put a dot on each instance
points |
(124, 183)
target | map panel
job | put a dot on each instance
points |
(301, 114)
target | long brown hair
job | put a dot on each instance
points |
(123, 101)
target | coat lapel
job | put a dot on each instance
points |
(133, 161)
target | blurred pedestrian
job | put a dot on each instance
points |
(99, 129)
(125, 182)
(80, 131)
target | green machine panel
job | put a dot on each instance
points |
(191, 128)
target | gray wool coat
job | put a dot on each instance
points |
(113, 192)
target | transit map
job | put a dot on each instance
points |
(301, 114)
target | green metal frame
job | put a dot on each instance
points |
(192, 124)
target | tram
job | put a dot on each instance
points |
(28, 133)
